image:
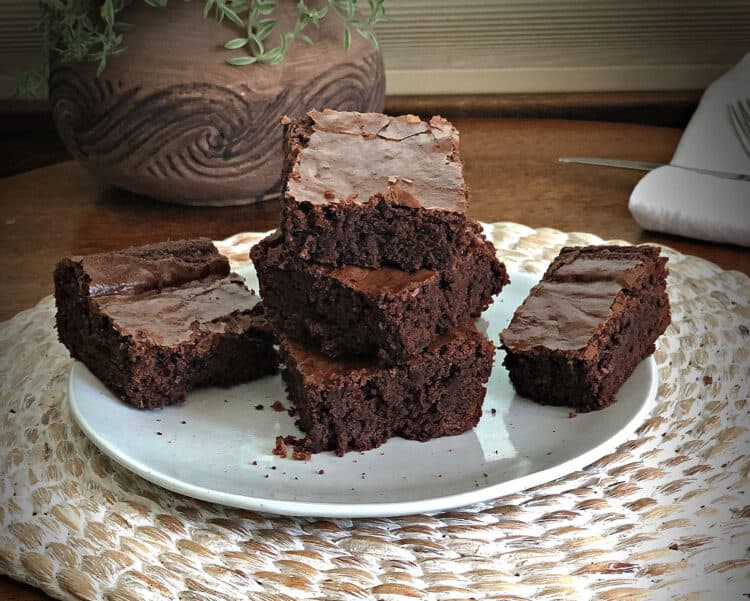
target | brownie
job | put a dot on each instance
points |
(371, 190)
(382, 313)
(155, 321)
(352, 404)
(582, 330)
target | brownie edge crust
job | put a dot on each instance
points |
(346, 405)
(153, 322)
(580, 333)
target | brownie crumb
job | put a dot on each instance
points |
(266, 476)
(280, 449)
(321, 472)
(12, 411)
(183, 422)
(253, 463)
(674, 547)
(708, 380)
(301, 455)
(493, 411)
(294, 441)
(158, 433)
(278, 407)
(572, 414)
(273, 467)
(259, 407)
(300, 451)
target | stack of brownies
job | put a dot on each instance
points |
(373, 279)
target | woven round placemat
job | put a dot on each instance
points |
(666, 516)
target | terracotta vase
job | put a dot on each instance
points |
(169, 118)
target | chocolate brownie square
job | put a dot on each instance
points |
(381, 313)
(371, 190)
(582, 330)
(348, 404)
(155, 321)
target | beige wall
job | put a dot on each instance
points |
(484, 46)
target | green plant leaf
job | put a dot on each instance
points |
(108, 12)
(274, 56)
(240, 6)
(369, 36)
(266, 8)
(239, 61)
(232, 16)
(348, 7)
(265, 28)
(347, 38)
(235, 43)
(377, 12)
(32, 84)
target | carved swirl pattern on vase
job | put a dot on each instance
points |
(200, 139)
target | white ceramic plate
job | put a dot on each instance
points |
(206, 447)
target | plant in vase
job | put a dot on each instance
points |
(182, 101)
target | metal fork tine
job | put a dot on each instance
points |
(745, 121)
(740, 118)
(745, 114)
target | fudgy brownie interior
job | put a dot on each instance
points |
(348, 405)
(382, 313)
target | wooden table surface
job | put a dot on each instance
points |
(511, 168)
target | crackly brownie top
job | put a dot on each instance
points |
(579, 291)
(151, 266)
(177, 314)
(167, 293)
(352, 157)
(375, 282)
